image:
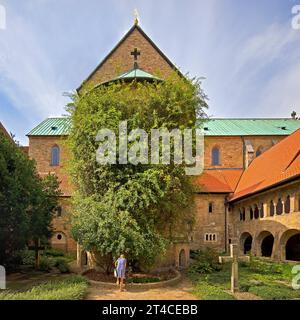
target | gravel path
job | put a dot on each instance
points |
(181, 291)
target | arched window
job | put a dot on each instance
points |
(55, 155)
(279, 207)
(256, 212)
(215, 156)
(259, 151)
(287, 205)
(251, 213)
(210, 207)
(272, 211)
(244, 214)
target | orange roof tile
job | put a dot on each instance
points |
(220, 181)
(278, 164)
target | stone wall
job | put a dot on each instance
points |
(209, 224)
(267, 222)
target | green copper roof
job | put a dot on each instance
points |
(52, 127)
(136, 73)
(249, 127)
(212, 127)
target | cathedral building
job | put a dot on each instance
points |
(248, 192)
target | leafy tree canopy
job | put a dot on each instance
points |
(134, 209)
(26, 201)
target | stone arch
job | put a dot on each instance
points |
(265, 243)
(290, 245)
(182, 259)
(59, 241)
(246, 242)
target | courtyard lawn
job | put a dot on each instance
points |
(67, 288)
(265, 279)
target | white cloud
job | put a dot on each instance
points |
(27, 75)
(282, 95)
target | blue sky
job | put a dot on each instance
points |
(246, 50)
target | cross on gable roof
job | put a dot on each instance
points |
(134, 28)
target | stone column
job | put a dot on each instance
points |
(292, 203)
(275, 208)
(266, 211)
(283, 207)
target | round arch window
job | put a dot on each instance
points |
(59, 236)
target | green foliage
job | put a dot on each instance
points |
(275, 291)
(134, 209)
(206, 291)
(143, 280)
(253, 278)
(45, 264)
(62, 265)
(263, 267)
(26, 201)
(28, 257)
(72, 288)
(53, 253)
(205, 261)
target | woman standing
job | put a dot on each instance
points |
(121, 269)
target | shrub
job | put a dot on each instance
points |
(205, 261)
(53, 253)
(45, 264)
(72, 288)
(28, 257)
(62, 265)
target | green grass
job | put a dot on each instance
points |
(71, 288)
(265, 279)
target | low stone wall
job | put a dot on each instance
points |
(109, 285)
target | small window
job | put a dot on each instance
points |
(210, 207)
(215, 156)
(55, 155)
(59, 236)
(58, 211)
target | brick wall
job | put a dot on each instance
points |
(280, 226)
(121, 60)
(209, 223)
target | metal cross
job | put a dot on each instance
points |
(135, 53)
